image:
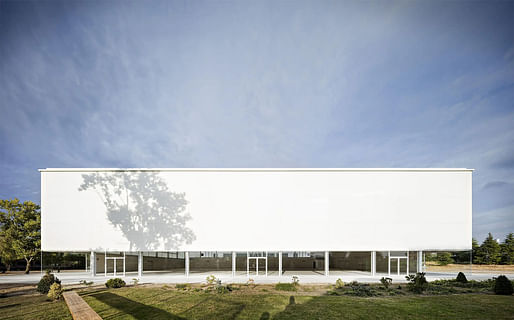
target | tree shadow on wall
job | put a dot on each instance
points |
(143, 208)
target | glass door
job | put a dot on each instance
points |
(398, 265)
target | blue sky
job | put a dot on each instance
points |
(261, 84)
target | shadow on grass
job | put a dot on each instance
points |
(133, 308)
(215, 308)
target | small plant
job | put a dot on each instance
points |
(183, 286)
(386, 282)
(86, 283)
(211, 280)
(339, 283)
(285, 287)
(250, 282)
(55, 292)
(221, 288)
(135, 281)
(295, 281)
(503, 286)
(46, 282)
(461, 278)
(115, 283)
(353, 283)
(417, 283)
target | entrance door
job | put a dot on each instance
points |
(256, 265)
(398, 265)
(110, 265)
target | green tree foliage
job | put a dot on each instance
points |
(507, 250)
(475, 247)
(489, 251)
(444, 258)
(7, 252)
(21, 222)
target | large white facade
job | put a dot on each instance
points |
(256, 209)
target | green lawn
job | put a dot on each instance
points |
(168, 303)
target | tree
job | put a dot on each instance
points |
(475, 247)
(444, 258)
(507, 249)
(489, 251)
(7, 252)
(21, 222)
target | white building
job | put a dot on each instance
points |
(256, 221)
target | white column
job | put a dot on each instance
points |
(124, 258)
(280, 264)
(140, 264)
(266, 261)
(186, 256)
(85, 259)
(92, 263)
(419, 267)
(234, 263)
(247, 265)
(105, 263)
(389, 262)
(373, 263)
(408, 263)
(327, 263)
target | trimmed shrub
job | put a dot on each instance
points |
(115, 283)
(211, 280)
(339, 283)
(417, 283)
(503, 286)
(461, 278)
(361, 290)
(46, 282)
(55, 292)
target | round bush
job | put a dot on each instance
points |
(46, 282)
(115, 283)
(502, 285)
(55, 292)
(461, 278)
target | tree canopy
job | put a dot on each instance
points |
(21, 228)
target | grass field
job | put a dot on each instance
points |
(260, 302)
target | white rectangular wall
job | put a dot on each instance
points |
(256, 209)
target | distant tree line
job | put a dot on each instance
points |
(492, 252)
(489, 252)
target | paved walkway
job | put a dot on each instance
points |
(79, 309)
(75, 277)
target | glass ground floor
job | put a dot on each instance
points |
(266, 263)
